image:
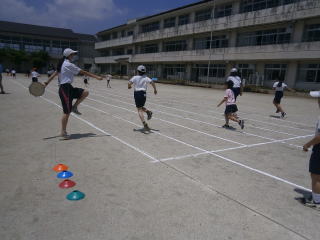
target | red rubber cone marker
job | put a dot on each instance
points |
(67, 184)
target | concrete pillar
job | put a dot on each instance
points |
(291, 74)
(159, 70)
(233, 39)
(297, 33)
(192, 17)
(188, 72)
(190, 44)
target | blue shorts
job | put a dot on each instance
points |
(314, 164)
(140, 98)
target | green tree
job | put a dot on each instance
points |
(39, 59)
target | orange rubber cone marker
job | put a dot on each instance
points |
(60, 168)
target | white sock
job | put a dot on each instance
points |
(316, 197)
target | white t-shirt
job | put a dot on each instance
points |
(13, 71)
(279, 89)
(140, 82)
(68, 70)
(34, 74)
(236, 81)
(108, 77)
(230, 97)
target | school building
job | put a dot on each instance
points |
(33, 38)
(201, 42)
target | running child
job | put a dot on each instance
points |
(35, 75)
(237, 83)
(108, 77)
(140, 82)
(279, 86)
(314, 164)
(66, 71)
(231, 107)
(13, 73)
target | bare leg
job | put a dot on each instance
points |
(279, 108)
(315, 183)
(140, 112)
(64, 122)
(276, 105)
(83, 96)
(233, 118)
(1, 86)
(227, 119)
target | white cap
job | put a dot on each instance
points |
(315, 94)
(234, 70)
(142, 68)
(68, 51)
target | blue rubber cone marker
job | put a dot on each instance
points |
(65, 174)
(75, 195)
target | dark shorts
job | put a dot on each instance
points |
(140, 98)
(314, 164)
(278, 96)
(34, 79)
(231, 109)
(67, 93)
(236, 92)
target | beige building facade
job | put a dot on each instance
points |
(201, 42)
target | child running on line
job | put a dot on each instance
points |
(140, 92)
(231, 107)
(279, 86)
(35, 75)
(108, 77)
(66, 71)
(314, 164)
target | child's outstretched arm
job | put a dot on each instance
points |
(223, 100)
(51, 78)
(89, 74)
(154, 88)
(314, 141)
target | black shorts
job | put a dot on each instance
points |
(67, 93)
(278, 96)
(34, 79)
(140, 98)
(314, 164)
(231, 109)
(236, 92)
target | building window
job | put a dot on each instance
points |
(105, 37)
(114, 35)
(174, 71)
(273, 72)
(255, 5)
(151, 70)
(312, 33)
(183, 19)
(309, 73)
(216, 72)
(149, 48)
(129, 33)
(265, 37)
(217, 42)
(105, 53)
(203, 15)
(223, 11)
(175, 46)
(118, 52)
(246, 71)
(154, 26)
(129, 51)
(170, 22)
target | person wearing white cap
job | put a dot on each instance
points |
(140, 83)
(65, 72)
(237, 84)
(314, 164)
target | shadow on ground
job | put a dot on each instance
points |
(77, 136)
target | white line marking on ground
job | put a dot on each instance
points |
(205, 115)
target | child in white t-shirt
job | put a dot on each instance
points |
(279, 86)
(35, 75)
(231, 107)
(140, 83)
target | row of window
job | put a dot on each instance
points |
(256, 38)
(203, 15)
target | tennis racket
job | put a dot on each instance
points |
(36, 89)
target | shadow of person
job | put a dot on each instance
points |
(77, 136)
(144, 131)
(304, 193)
(274, 116)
